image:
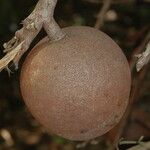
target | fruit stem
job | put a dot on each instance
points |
(41, 17)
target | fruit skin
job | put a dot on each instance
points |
(77, 87)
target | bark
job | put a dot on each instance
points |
(41, 17)
(143, 58)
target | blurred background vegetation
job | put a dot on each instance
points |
(127, 22)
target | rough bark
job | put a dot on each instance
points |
(41, 17)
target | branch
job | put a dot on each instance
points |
(143, 58)
(101, 16)
(140, 145)
(41, 17)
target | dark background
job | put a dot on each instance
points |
(127, 22)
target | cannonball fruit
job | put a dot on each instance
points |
(77, 87)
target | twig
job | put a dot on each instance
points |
(135, 92)
(143, 58)
(141, 146)
(122, 142)
(138, 50)
(42, 16)
(10, 56)
(101, 15)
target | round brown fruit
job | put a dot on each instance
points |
(77, 87)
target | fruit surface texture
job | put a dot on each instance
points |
(78, 87)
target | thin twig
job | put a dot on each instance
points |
(143, 58)
(101, 15)
(11, 55)
(122, 142)
(138, 50)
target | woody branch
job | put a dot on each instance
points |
(41, 17)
